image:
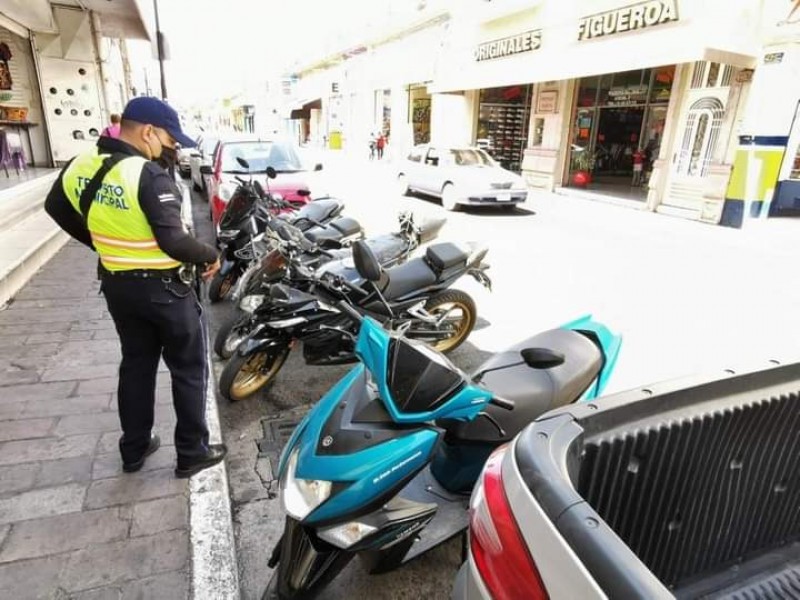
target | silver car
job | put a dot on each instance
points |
(460, 176)
(202, 155)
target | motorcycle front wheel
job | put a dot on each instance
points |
(456, 314)
(220, 286)
(243, 376)
(231, 333)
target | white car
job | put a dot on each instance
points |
(202, 155)
(460, 176)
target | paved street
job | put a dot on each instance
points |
(72, 525)
(688, 297)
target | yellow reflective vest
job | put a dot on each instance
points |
(120, 231)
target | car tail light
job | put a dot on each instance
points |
(498, 548)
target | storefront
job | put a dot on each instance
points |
(617, 115)
(657, 82)
(22, 133)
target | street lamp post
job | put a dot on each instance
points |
(160, 49)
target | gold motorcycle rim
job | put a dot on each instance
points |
(254, 374)
(458, 317)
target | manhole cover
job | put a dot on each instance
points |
(277, 431)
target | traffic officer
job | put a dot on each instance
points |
(120, 203)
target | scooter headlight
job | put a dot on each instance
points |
(301, 496)
(347, 534)
(250, 303)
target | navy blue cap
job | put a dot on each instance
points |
(152, 111)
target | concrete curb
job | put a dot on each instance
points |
(215, 573)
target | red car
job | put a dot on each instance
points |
(292, 182)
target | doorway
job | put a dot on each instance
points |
(618, 133)
(616, 116)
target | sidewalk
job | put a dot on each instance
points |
(72, 524)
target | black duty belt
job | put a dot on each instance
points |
(184, 274)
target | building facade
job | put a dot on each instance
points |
(64, 70)
(703, 94)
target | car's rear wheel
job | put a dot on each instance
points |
(449, 197)
(402, 185)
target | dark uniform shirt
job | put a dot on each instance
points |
(160, 200)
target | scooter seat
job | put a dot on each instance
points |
(533, 390)
(406, 278)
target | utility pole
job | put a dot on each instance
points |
(160, 48)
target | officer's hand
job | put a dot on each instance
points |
(211, 270)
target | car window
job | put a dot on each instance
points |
(470, 157)
(208, 144)
(260, 155)
(416, 155)
(432, 157)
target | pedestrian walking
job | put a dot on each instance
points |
(122, 204)
(372, 142)
(380, 144)
(112, 130)
(638, 166)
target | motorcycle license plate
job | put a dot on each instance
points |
(504, 197)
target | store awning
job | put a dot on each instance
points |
(302, 109)
(129, 19)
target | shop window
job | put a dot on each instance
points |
(503, 121)
(661, 86)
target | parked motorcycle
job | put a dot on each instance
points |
(248, 213)
(413, 297)
(383, 465)
(390, 249)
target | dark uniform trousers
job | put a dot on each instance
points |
(155, 318)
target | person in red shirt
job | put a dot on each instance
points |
(380, 145)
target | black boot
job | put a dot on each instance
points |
(132, 467)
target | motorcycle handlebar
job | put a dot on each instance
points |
(502, 403)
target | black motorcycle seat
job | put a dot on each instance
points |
(406, 278)
(534, 391)
(318, 210)
(333, 232)
(346, 226)
(445, 255)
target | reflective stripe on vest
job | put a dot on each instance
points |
(120, 231)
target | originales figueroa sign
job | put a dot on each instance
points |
(516, 44)
(629, 18)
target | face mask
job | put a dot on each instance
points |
(168, 158)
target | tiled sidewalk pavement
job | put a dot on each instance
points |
(72, 524)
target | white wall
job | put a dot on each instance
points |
(453, 118)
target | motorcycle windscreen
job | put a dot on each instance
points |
(420, 379)
(238, 208)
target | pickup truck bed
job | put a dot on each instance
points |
(688, 489)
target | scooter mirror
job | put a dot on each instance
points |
(243, 162)
(271, 173)
(542, 358)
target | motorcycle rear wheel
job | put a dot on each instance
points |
(461, 317)
(231, 333)
(220, 286)
(243, 376)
